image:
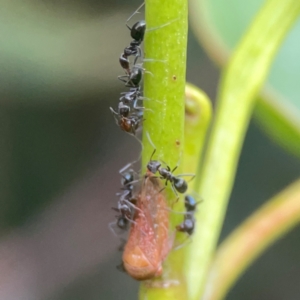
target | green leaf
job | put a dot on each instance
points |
(219, 25)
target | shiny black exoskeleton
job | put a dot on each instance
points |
(188, 223)
(126, 203)
(133, 78)
(190, 203)
(137, 32)
(177, 183)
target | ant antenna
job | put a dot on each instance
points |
(151, 143)
(135, 12)
(142, 148)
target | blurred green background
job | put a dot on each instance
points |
(61, 152)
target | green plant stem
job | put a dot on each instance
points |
(248, 241)
(165, 45)
(240, 84)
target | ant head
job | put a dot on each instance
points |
(153, 166)
(180, 185)
(190, 203)
(138, 31)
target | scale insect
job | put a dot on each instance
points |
(149, 242)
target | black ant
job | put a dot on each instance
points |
(132, 97)
(129, 123)
(129, 100)
(137, 32)
(178, 184)
(188, 223)
(126, 203)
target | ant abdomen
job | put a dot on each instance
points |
(180, 184)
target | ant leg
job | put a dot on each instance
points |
(111, 228)
(174, 169)
(175, 192)
(162, 189)
(113, 111)
(161, 26)
(126, 167)
(151, 143)
(184, 243)
(154, 60)
(187, 174)
(128, 82)
(121, 78)
(197, 196)
(140, 108)
(176, 212)
(132, 205)
(115, 114)
(135, 181)
(130, 221)
(138, 55)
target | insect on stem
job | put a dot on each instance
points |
(148, 243)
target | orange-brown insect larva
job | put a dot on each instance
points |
(148, 243)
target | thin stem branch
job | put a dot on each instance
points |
(249, 240)
(240, 84)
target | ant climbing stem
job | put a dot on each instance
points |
(177, 183)
(188, 224)
(130, 123)
(137, 32)
(127, 201)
